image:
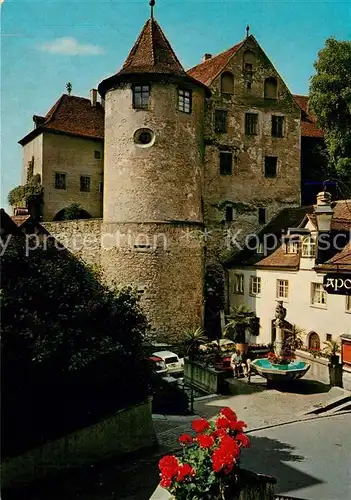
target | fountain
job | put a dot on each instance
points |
(280, 366)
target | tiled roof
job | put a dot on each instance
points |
(152, 53)
(280, 258)
(296, 217)
(309, 127)
(19, 220)
(71, 115)
(207, 71)
(286, 218)
(341, 218)
(340, 262)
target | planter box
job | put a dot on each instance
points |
(204, 378)
(253, 487)
(128, 430)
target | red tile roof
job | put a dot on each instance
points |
(208, 70)
(341, 220)
(71, 115)
(152, 53)
(340, 262)
(280, 258)
(309, 127)
(19, 220)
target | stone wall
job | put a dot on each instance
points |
(81, 237)
(166, 265)
(74, 156)
(128, 430)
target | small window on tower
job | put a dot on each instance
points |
(97, 155)
(225, 162)
(184, 101)
(141, 94)
(221, 121)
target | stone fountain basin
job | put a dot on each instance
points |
(290, 371)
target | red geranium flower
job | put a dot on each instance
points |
(229, 414)
(205, 441)
(223, 423)
(185, 439)
(229, 445)
(200, 425)
(166, 482)
(168, 466)
(243, 439)
(218, 433)
(237, 426)
(184, 471)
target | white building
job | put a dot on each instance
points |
(293, 272)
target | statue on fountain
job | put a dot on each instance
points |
(280, 315)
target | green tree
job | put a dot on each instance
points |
(330, 101)
(240, 320)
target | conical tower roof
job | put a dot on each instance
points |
(152, 53)
(152, 56)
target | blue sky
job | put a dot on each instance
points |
(47, 43)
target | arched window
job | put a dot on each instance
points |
(270, 88)
(227, 83)
(249, 60)
(314, 342)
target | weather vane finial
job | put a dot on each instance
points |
(152, 5)
(247, 31)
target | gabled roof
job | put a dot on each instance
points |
(309, 127)
(208, 70)
(151, 55)
(70, 115)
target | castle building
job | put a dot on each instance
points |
(184, 158)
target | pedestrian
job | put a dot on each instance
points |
(246, 366)
(235, 362)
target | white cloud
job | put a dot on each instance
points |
(70, 47)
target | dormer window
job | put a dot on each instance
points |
(141, 95)
(270, 88)
(308, 247)
(227, 83)
(293, 246)
(184, 101)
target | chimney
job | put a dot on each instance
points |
(93, 97)
(206, 57)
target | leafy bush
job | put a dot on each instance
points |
(70, 345)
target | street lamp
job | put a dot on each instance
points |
(323, 211)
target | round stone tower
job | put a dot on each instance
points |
(153, 177)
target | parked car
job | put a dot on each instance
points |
(158, 365)
(172, 362)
